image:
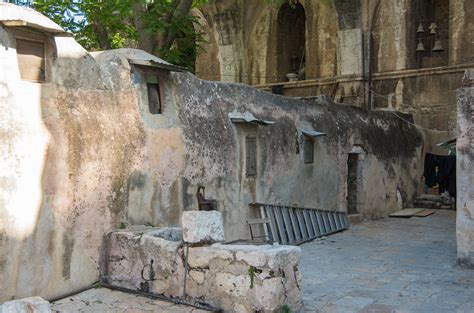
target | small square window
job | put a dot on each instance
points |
(250, 156)
(31, 62)
(308, 150)
(154, 103)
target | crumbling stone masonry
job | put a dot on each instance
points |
(234, 277)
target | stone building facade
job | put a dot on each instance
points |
(90, 142)
(400, 55)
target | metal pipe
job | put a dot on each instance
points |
(196, 304)
(185, 269)
(72, 293)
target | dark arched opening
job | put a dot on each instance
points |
(291, 40)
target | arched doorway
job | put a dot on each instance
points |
(291, 40)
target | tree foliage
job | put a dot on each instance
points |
(161, 27)
(164, 28)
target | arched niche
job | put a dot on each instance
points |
(290, 40)
(429, 33)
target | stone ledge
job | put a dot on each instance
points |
(202, 226)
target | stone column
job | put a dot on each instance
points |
(465, 172)
(350, 52)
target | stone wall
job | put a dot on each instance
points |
(465, 173)
(83, 154)
(232, 277)
(361, 53)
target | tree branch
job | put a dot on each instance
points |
(182, 9)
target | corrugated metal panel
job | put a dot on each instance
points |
(247, 117)
(158, 63)
(312, 133)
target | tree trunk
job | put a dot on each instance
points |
(102, 35)
(183, 8)
(146, 40)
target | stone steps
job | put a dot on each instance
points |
(428, 201)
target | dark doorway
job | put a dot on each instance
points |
(291, 40)
(352, 181)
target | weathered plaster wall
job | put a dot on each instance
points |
(68, 148)
(465, 173)
(282, 177)
(82, 154)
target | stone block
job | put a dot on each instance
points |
(26, 305)
(147, 260)
(202, 226)
(246, 278)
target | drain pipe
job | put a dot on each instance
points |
(196, 304)
(185, 268)
(72, 293)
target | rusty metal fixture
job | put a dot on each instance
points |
(203, 203)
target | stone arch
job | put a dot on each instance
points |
(390, 36)
(290, 39)
(321, 39)
(207, 60)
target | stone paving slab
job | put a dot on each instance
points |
(106, 300)
(390, 265)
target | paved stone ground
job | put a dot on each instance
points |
(391, 265)
(105, 300)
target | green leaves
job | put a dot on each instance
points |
(162, 27)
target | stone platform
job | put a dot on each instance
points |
(233, 277)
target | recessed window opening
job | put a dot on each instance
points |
(31, 59)
(308, 150)
(352, 182)
(250, 156)
(154, 101)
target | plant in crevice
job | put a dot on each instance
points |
(252, 274)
